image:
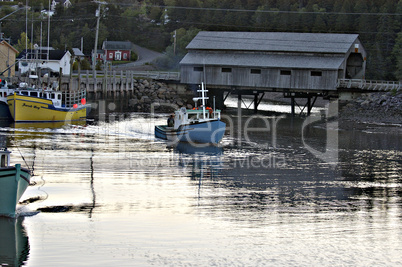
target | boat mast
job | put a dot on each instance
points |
(203, 99)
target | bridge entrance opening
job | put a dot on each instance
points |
(354, 66)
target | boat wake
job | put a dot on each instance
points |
(136, 126)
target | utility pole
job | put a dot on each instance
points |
(174, 42)
(26, 26)
(48, 35)
(97, 15)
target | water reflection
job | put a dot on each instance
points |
(14, 245)
(181, 200)
(199, 161)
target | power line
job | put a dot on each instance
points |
(278, 11)
(258, 10)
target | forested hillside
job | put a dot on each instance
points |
(151, 23)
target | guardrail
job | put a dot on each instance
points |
(369, 85)
(156, 75)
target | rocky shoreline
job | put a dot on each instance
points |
(379, 112)
(379, 107)
(164, 98)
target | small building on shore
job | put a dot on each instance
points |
(117, 50)
(8, 55)
(32, 60)
(273, 60)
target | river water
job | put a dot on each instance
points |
(108, 193)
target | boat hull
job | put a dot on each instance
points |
(5, 114)
(14, 243)
(13, 183)
(35, 109)
(210, 132)
(166, 133)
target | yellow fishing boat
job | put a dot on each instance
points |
(33, 105)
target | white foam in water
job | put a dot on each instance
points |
(138, 125)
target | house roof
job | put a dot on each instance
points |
(42, 54)
(10, 46)
(78, 53)
(273, 42)
(260, 60)
(117, 45)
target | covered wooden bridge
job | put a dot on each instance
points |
(302, 65)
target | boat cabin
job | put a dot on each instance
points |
(55, 96)
(4, 158)
(199, 114)
(185, 116)
(5, 92)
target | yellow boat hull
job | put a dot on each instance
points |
(35, 109)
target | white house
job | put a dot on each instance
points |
(39, 59)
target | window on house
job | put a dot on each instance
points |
(198, 69)
(125, 56)
(255, 71)
(286, 72)
(110, 55)
(226, 69)
(316, 73)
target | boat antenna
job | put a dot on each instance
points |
(203, 99)
(23, 158)
(205, 75)
(214, 106)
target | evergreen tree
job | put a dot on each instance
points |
(397, 53)
(364, 21)
(345, 19)
(385, 40)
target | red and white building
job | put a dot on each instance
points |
(117, 50)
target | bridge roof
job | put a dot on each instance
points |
(259, 60)
(273, 42)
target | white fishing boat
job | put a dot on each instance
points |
(199, 125)
(14, 180)
(4, 92)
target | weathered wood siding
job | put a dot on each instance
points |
(270, 60)
(261, 78)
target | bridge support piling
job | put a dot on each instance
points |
(292, 106)
(239, 100)
(309, 103)
(257, 100)
(255, 103)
